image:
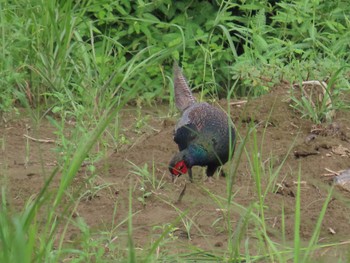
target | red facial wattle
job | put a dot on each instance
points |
(179, 168)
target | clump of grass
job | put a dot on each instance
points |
(320, 103)
(149, 183)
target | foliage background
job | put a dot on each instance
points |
(59, 55)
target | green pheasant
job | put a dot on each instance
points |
(204, 134)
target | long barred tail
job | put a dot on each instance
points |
(183, 94)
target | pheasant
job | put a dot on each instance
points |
(204, 134)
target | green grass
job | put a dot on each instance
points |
(320, 103)
(82, 62)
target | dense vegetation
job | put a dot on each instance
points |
(74, 59)
(55, 53)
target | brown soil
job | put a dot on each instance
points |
(281, 133)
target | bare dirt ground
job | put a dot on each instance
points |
(25, 164)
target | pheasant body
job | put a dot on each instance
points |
(204, 133)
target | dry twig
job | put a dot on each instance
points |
(39, 140)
